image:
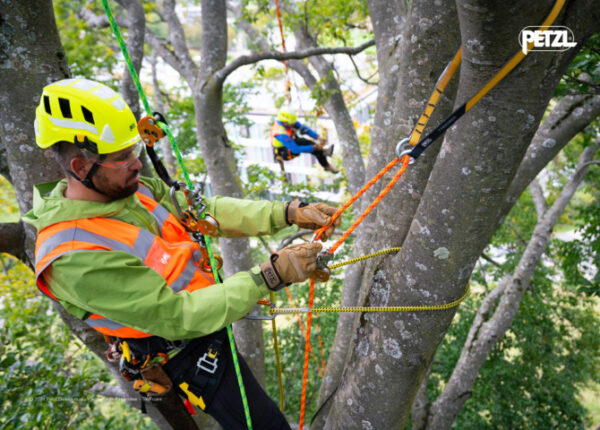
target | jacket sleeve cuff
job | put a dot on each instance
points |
(278, 216)
(259, 280)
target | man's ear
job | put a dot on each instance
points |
(80, 166)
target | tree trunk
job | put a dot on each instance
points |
(32, 57)
(487, 330)
(220, 163)
(414, 65)
(471, 175)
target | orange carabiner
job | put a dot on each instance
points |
(149, 130)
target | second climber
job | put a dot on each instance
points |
(287, 142)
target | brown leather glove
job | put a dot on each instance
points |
(292, 264)
(312, 216)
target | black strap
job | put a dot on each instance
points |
(195, 366)
(437, 132)
(153, 345)
(88, 179)
(160, 168)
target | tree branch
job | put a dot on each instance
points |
(570, 116)
(365, 80)
(537, 194)
(12, 239)
(165, 53)
(490, 260)
(135, 46)
(177, 38)
(592, 85)
(244, 60)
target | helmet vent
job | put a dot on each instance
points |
(87, 115)
(47, 105)
(65, 108)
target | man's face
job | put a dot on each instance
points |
(118, 174)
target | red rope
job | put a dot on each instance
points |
(405, 160)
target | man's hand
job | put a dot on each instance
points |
(292, 264)
(312, 216)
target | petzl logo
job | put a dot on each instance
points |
(551, 38)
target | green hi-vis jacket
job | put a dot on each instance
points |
(118, 286)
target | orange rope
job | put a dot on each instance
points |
(288, 95)
(405, 160)
(306, 353)
(346, 205)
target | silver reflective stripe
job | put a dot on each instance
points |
(104, 322)
(143, 243)
(160, 214)
(64, 82)
(118, 103)
(104, 92)
(77, 125)
(145, 191)
(37, 275)
(78, 234)
(85, 84)
(185, 278)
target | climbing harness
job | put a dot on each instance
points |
(147, 125)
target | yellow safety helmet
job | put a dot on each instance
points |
(287, 115)
(89, 114)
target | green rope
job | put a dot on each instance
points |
(190, 186)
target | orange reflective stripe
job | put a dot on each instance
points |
(111, 229)
(146, 200)
(170, 228)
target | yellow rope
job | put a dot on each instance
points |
(364, 257)
(442, 307)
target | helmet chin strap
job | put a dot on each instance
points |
(87, 181)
